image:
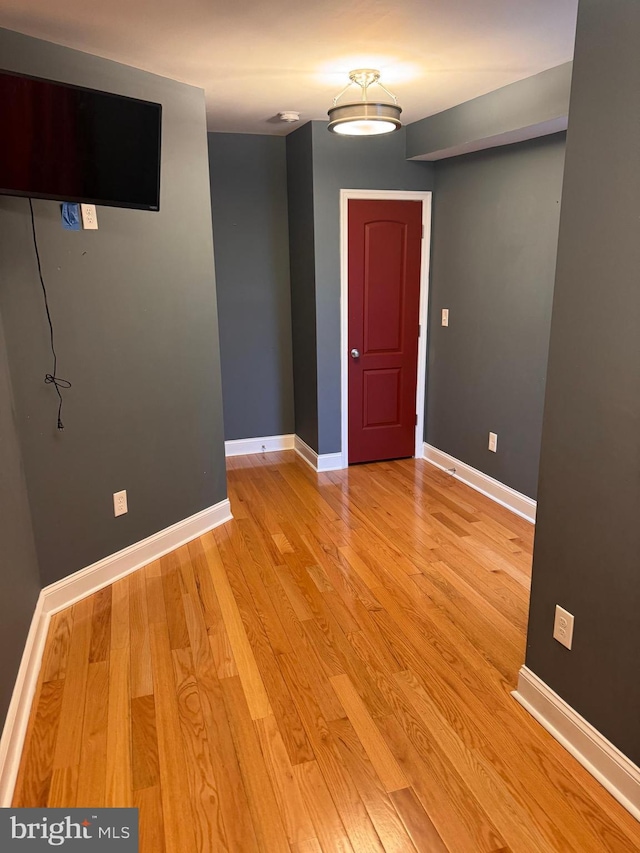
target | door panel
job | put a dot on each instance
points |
(381, 397)
(384, 244)
(384, 303)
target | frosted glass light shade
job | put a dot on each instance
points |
(364, 118)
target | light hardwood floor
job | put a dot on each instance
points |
(331, 671)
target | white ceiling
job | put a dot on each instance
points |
(255, 59)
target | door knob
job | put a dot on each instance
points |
(355, 353)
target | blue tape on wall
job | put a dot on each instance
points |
(71, 216)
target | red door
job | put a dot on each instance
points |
(384, 304)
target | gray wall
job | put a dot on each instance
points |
(341, 162)
(588, 538)
(495, 234)
(250, 230)
(18, 566)
(135, 312)
(303, 283)
(529, 108)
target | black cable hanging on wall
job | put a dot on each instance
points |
(50, 378)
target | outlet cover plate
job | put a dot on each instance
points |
(120, 503)
(89, 217)
(563, 627)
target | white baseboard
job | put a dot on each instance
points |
(266, 444)
(319, 463)
(619, 775)
(305, 452)
(15, 727)
(498, 492)
(68, 591)
(79, 585)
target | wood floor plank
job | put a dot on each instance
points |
(251, 558)
(483, 785)
(93, 755)
(120, 623)
(459, 819)
(360, 567)
(54, 662)
(204, 610)
(119, 786)
(101, 626)
(36, 767)
(331, 671)
(148, 801)
(141, 675)
(323, 695)
(330, 642)
(323, 692)
(69, 740)
(176, 804)
(248, 671)
(454, 526)
(153, 570)
(494, 637)
(172, 589)
(248, 493)
(391, 776)
(458, 664)
(502, 591)
(204, 590)
(342, 612)
(345, 794)
(282, 543)
(310, 846)
(240, 832)
(378, 803)
(265, 644)
(292, 807)
(319, 577)
(63, 792)
(330, 831)
(222, 652)
(267, 818)
(208, 822)
(295, 596)
(424, 835)
(156, 610)
(570, 826)
(374, 652)
(144, 743)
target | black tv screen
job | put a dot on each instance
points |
(73, 144)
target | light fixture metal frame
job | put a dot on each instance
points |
(364, 110)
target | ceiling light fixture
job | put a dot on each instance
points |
(364, 117)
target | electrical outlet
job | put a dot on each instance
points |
(120, 503)
(563, 627)
(493, 442)
(445, 316)
(89, 217)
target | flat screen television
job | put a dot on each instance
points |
(69, 143)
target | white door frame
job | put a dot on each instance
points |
(384, 195)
